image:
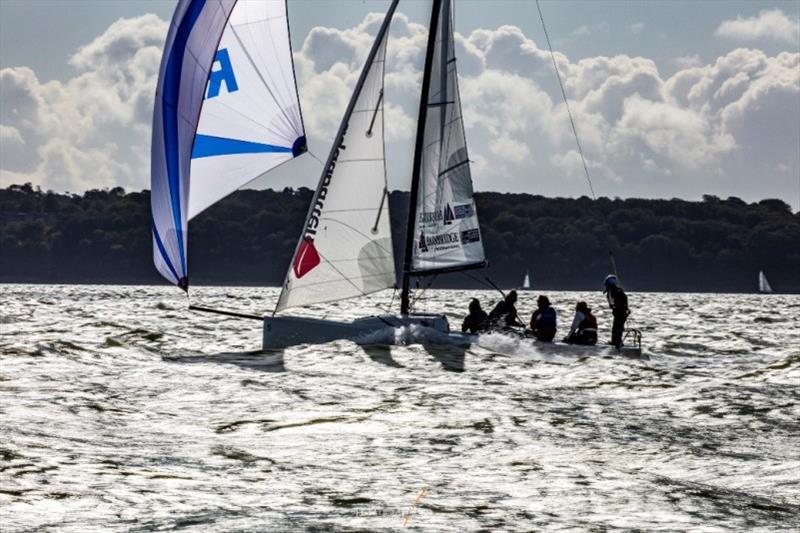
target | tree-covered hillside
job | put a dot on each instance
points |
(248, 238)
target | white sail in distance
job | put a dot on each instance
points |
(526, 283)
(345, 249)
(224, 61)
(446, 231)
(763, 284)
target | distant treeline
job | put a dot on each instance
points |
(103, 236)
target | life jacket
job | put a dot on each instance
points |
(544, 319)
(503, 314)
(476, 322)
(588, 324)
(617, 299)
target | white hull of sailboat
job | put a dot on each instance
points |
(285, 331)
(282, 332)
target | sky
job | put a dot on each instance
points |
(670, 99)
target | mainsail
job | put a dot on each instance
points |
(446, 232)
(226, 111)
(526, 283)
(443, 231)
(345, 249)
(763, 284)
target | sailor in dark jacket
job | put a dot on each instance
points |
(504, 315)
(618, 301)
(477, 320)
(584, 326)
(543, 320)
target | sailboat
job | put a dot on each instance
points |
(526, 282)
(345, 248)
(227, 111)
(763, 285)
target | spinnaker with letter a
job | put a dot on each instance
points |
(226, 112)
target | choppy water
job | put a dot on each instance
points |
(121, 410)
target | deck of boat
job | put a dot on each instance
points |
(285, 331)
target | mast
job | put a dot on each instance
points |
(415, 174)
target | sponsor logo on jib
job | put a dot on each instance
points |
(446, 240)
(447, 214)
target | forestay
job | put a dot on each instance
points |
(250, 121)
(446, 232)
(345, 249)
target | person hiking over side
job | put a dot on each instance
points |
(584, 326)
(618, 302)
(543, 320)
(477, 320)
(504, 315)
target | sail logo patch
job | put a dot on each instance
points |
(223, 74)
(464, 211)
(306, 259)
(436, 242)
(447, 214)
(470, 235)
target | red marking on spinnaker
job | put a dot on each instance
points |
(306, 259)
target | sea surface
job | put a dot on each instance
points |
(120, 410)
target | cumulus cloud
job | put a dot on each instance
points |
(707, 128)
(93, 129)
(768, 24)
(642, 133)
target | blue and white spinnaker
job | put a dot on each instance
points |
(226, 112)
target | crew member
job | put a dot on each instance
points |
(618, 301)
(477, 320)
(543, 320)
(584, 326)
(504, 315)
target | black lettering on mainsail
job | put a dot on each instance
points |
(319, 204)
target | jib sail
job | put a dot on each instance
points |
(443, 221)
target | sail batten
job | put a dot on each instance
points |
(226, 111)
(345, 248)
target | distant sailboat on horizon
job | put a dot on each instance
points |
(763, 285)
(526, 282)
